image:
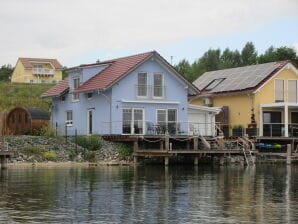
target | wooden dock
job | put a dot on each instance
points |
(5, 153)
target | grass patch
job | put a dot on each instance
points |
(23, 95)
(92, 143)
(124, 151)
(50, 155)
(33, 150)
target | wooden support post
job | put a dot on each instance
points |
(289, 154)
(166, 161)
(135, 159)
(167, 143)
(196, 161)
(3, 162)
(196, 143)
(135, 146)
(161, 145)
(188, 145)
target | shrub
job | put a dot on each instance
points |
(50, 155)
(35, 150)
(45, 131)
(91, 143)
(124, 150)
(90, 156)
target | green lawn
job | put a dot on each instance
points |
(23, 95)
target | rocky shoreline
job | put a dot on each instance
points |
(38, 149)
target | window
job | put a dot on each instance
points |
(142, 84)
(69, 118)
(213, 84)
(279, 90)
(292, 91)
(158, 85)
(37, 66)
(167, 120)
(133, 121)
(62, 98)
(76, 84)
(89, 95)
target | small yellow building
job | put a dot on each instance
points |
(37, 70)
(261, 97)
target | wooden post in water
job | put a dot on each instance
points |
(135, 149)
(3, 162)
(289, 154)
(167, 142)
(196, 161)
(166, 161)
(161, 145)
(195, 143)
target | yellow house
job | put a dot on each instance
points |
(261, 97)
(37, 70)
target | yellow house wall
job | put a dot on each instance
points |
(239, 108)
(22, 75)
(266, 93)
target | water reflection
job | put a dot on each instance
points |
(157, 194)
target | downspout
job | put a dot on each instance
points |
(110, 112)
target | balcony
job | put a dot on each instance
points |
(150, 92)
(43, 71)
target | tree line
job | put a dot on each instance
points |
(215, 59)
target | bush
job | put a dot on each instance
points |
(91, 143)
(50, 155)
(45, 131)
(35, 150)
(124, 150)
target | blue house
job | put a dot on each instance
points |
(135, 95)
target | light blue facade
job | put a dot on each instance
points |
(107, 106)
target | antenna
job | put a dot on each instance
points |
(171, 60)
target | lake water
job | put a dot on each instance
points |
(150, 194)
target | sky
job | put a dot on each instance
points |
(84, 31)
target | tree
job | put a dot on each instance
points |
(5, 72)
(278, 54)
(211, 60)
(249, 54)
(230, 59)
(184, 68)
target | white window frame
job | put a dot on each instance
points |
(133, 120)
(142, 96)
(284, 88)
(75, 96)
(69, 122)
(296, 90)
(162, 86)
(166, 109)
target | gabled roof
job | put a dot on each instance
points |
(116, 69)
(237, 80)
(27, 62)
(56, 90)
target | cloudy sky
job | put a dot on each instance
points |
(82, 31)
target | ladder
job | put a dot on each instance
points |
(247, 145)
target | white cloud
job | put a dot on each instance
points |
(65, 29)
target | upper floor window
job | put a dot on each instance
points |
(279, 90)
(142, 84)
(69, 118)
(158, 90)
(37, 65)
(292, 91)
(76, 84)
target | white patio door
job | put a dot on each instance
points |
(133, 121)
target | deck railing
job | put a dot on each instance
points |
(278, 129)
(160, 128)
(43, 71)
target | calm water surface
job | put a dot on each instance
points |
(151, 194)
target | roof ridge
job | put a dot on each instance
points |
(116, 59)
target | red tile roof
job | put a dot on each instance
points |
(27, 62)
(57, 90)
(115, 70)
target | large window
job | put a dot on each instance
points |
(76, 84)
(132, 121)
(292, 91)
(69, 118)
(158, 85)
(142, 84)
(167, 120)
(279, 90)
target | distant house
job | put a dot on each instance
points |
(135, 95)
(20, 120)
(262, 97)
(37, 70)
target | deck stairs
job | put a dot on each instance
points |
(211, 142)
(247, 146)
